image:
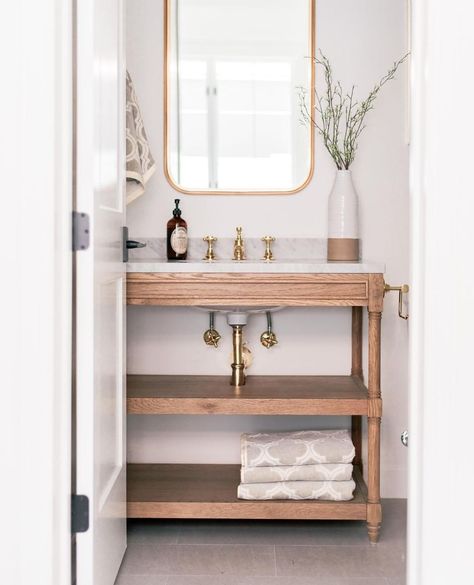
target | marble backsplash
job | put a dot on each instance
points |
(283, 248)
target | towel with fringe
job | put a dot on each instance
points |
(140, 164)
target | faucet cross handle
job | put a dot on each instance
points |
(210, 255)
(268, 256)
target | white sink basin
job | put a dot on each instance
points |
(233, 309)
(238, 315)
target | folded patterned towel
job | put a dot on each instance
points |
(318, 472)
(296, 448)
(139, 160)
(297, 490)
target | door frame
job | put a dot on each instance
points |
(35, 296)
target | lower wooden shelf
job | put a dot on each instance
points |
(210, 491)
(262, 395)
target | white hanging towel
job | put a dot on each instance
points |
(140, 162)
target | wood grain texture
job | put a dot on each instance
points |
(374, 518)
(376, 292)
(263, 395)
(356, 363)
(356, 370)
(252, 289)
(356, 435)
(210, 491)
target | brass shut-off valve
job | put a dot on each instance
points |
(211, 336)
(402, 290)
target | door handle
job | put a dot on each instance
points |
(404, 438)
(134, 244)
(129, 244)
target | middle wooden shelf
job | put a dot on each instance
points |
(262, 395)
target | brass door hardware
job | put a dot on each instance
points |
(268, 256)
(210, 254)
(239, 252)
(402, 290)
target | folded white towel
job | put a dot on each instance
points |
(318, 472)
(297, 490)
(296, 448)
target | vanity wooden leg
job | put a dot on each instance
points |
(374, 508)
(356, 370)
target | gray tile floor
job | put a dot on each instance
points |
(265, 553)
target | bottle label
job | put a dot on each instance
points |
(179, 240)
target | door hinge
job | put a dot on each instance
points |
(79, 513)
(80, 231)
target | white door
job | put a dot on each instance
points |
(100, 278)
(441, 510)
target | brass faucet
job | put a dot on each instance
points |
(239, 253)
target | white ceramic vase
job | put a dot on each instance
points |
(343, 220)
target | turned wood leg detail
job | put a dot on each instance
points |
(374, 508)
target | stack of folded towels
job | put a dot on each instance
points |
(301, 465)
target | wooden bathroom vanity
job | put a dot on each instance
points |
(210, 491)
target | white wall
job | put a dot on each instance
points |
(312, 341)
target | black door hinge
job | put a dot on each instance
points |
(80, 231)
(79, 513)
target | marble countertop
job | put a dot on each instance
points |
(290, 265)
(293, 255)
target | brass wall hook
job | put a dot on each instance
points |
(402, 290)
(268, 256)
(210, 255)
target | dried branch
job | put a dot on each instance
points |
(335, 109)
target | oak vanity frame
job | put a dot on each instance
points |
(317, 395)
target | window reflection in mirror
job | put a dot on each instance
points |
(233, 71)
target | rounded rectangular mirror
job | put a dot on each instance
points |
(233, 71)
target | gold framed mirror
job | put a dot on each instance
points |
(233, 70)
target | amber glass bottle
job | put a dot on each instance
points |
(177, 235)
